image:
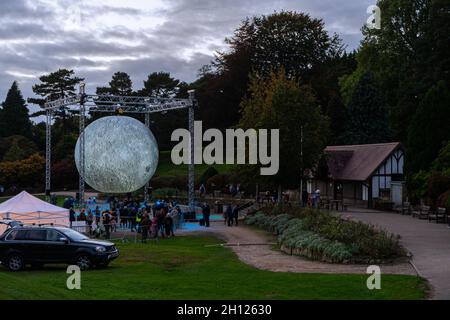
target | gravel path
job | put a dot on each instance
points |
(267, 257)
(429, 244)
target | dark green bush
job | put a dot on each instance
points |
(209, 173)
(322, 236)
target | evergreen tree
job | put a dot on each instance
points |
(408, 54)
(429, 130)
(120, 85)
(56, 85)
(160, 84)
(367, 118)
(163, 85)
(14, 118)
(337, 115)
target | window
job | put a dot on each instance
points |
(53, 235)
(37, 235)
(17, 235)
(74, 235)
(385, 194)
(365, 192)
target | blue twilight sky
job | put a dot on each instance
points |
(98, 38)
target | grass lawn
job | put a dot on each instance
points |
(183, 268)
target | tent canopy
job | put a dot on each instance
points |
(28, 209)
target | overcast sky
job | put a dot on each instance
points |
(98, 38)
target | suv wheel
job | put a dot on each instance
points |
(84, 262)
(15, 262)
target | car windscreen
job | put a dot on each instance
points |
(74, 235)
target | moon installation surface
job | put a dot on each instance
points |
(121, 154)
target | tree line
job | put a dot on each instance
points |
(286, 71)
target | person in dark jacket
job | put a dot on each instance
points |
(107, 224)
(229, 215)
(168, 226)
(71, 216)
(236, 215)
(145, 225)
(305, 197)
(206, 214)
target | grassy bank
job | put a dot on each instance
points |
(166, 168)
(183, 268)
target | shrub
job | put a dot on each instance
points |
(437, 184)
(321, 236)
(209, 173)
(218, 182)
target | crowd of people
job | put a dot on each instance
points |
(157, 220)
(230, 215)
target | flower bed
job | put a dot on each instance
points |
(324, 237)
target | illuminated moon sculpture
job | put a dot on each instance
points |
(121, 154)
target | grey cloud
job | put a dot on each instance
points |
(198, 26)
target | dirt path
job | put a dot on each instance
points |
(268, 258)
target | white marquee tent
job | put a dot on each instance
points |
(28, 209)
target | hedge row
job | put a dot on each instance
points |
(321, 236)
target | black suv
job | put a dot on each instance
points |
(37, 246)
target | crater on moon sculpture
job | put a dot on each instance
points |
(121, 154)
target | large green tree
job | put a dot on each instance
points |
(14, 118)
(291, 41)
(429, 130)
(367, 118)
(120, 84)
(160, 84)
(281, 103)
(408, 54)
(56, 85)
(15, 148)
(337, 115)
(163, 85)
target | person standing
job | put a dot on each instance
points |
(90, 220)
(145, 224)
(138, 220)
(132, 218)
(229, 214)
(236, 215)
(71, 216)
(107, 224)
(206, 214)
(168, 225)
(202, 190)
(305, 197)
(317, 198)
(97, 215)
(160, 223)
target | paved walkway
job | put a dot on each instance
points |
(428, 242)
(256, 248)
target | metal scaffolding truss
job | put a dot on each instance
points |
(110, 103)
(84, 103)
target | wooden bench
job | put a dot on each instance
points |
(422, 213)
(438, 215)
